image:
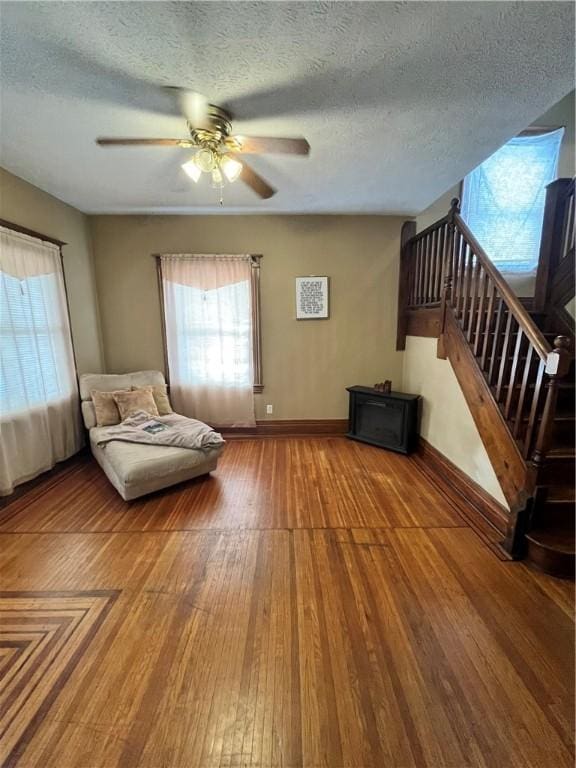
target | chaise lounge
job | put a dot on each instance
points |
(136, 469)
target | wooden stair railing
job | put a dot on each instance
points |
(520, 364)
(444, 266)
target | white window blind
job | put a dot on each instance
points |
(503, 199)
(34, 343)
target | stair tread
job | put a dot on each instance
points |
(557, 540)
(562, 416)
(561, 452)
(563, 444)
(560, 494)
(562, 384)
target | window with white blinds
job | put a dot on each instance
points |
(503, 200)
(34, 343)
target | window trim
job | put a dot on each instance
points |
(32, 233)
(258, 383)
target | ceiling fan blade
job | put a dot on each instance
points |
(195, 108)
(254, 181)
(258, 145)
(106, 142)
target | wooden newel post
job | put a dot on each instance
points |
(447, 267)
(557, 367)
(454, 209)
(450, 255)
(551, 240)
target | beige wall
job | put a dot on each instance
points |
(307, 364)
(26, 205)
(447, 423)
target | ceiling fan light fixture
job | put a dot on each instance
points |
(231, 168)
(206, 160)
(192, 169)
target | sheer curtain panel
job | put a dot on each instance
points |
(39, 410)
(208, 322)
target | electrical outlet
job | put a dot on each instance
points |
(269, 410)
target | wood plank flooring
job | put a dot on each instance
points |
(268, 483)
(313, 604)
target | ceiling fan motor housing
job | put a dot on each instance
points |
(220, 128)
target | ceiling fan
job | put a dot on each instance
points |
(217, 150)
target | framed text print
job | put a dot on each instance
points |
(311, 298)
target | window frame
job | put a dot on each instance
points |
(258, 382)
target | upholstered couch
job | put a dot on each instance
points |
(136, 469)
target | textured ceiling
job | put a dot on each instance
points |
(398, 100)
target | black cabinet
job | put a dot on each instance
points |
(389, 421)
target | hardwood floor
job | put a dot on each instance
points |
(315, 603)
(268, 483)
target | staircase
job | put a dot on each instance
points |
(550, 539)
(514, 360)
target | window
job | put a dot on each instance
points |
(212, 335)
(503, 199)
(33, 341)
(36, 363)
(39, 410)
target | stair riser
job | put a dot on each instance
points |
(557, 472)
(559, 515)
(563, 433)
(566, 399)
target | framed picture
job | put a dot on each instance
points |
(311, 298)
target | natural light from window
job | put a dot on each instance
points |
(503, 200)
(214, 334)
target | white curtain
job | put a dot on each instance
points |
(503, 200)
(208, 317)
(39, 410)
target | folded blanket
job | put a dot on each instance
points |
(177, 431)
